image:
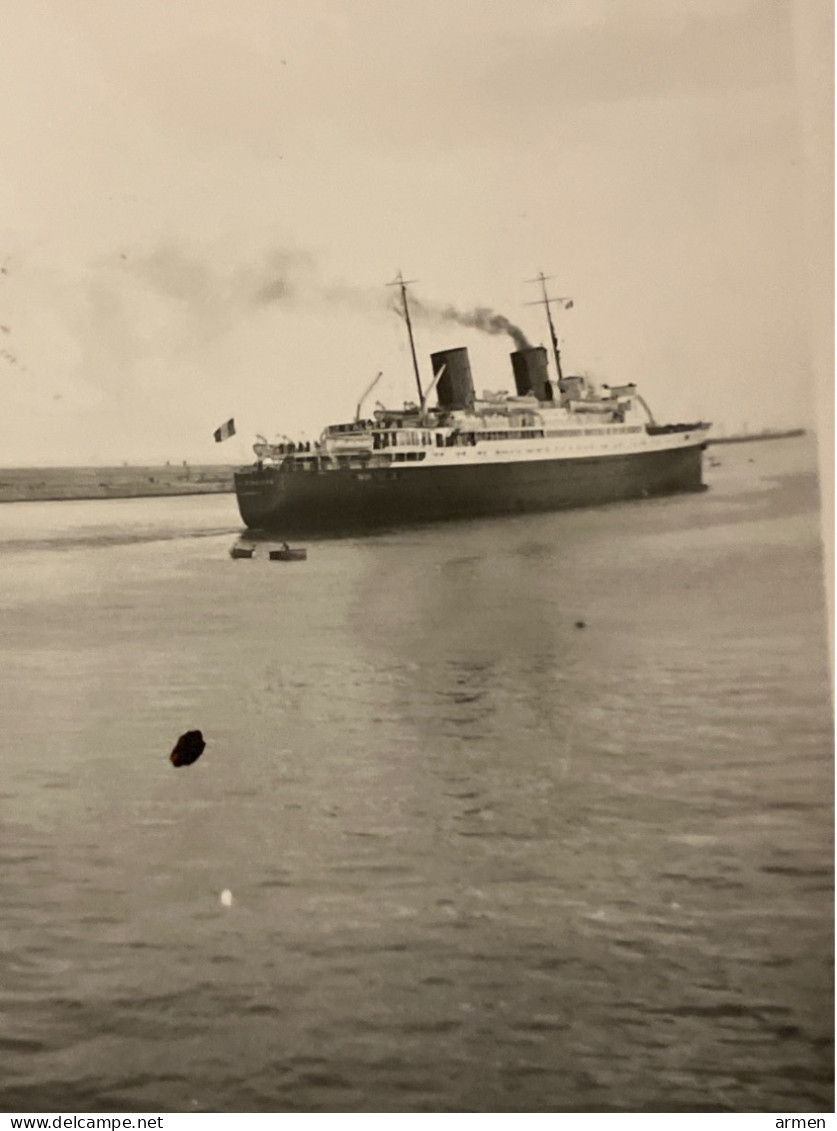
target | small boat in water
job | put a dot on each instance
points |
(288, 554)
(241, 551)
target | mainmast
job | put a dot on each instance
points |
(402, 283)
(566, 303)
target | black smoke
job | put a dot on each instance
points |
(480, 318)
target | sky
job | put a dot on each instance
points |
(202, 203)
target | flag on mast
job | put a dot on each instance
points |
(225, 431)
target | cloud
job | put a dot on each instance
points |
(645, 51)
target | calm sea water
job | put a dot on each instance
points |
(479, 859)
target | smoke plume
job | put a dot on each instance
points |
(286, 274)
(480, 318)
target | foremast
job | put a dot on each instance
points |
(402, 284)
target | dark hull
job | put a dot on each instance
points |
(349, 499)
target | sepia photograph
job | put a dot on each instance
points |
(416, 559)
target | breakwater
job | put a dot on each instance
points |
(749, 437)
(37, 484)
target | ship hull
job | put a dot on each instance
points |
(308, 502)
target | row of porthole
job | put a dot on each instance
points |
(391, 474)
(546, 451)
(403, 456)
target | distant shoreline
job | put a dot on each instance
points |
(55, 484)
(750, 437)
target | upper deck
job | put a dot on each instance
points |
(544, 419)
(479, 436)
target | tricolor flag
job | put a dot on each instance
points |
(225, 431)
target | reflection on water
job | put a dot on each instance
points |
(477, 859)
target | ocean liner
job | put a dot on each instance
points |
(555, 442)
